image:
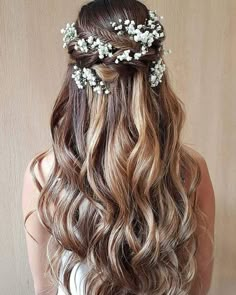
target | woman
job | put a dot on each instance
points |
(118, 197)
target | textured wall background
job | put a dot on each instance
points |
(202, 68)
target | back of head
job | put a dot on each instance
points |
(120, 153)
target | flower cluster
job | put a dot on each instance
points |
(70, 34)
(157, 72)
(145, 33)
(104, 49)
(86, 76)
(125, 55)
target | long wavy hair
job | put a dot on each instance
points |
(116, 197)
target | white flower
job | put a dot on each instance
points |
(104, 49)
(156, 34)
(120, 33)
(153, 15)
(90, 39)
(118, 28)
(146, 34)
(130, 29)
(156, 72)
(113, 24)
(137, 55)
(84, 76)
(70, 34)
(150, 41)
(144, 49)
(82, 45)
(124, 56)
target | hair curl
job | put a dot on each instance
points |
(122, 155)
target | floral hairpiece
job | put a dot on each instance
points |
(157, 72)
(86, 76)
(145, 33)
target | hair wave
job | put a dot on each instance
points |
(123, 157)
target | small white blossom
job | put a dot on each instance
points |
(118, 28)
(130, 29)
(157, 72)
(137, 55)
(146, 34)
(124, 56)
(70, 34)
(153, 15)
(144, 50)
(156, 34)
(90, 39)
(86, 76)
(82, 45)
(140, 27)
(104, 49)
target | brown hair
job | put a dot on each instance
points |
(122, 153)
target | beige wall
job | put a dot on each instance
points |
(202, 37)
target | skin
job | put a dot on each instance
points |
(37, 253)
(206, 201)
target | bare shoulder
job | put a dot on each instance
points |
(205, 190)
(36, 234)
(35, 176)
(206, 227)
(40, 165)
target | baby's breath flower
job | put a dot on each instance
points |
(137, 55)
(90, 39)
(145, 34)
(124, 56)
(69, 34)
(86, 76)
(157, 72)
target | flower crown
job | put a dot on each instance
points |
(145, 33)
